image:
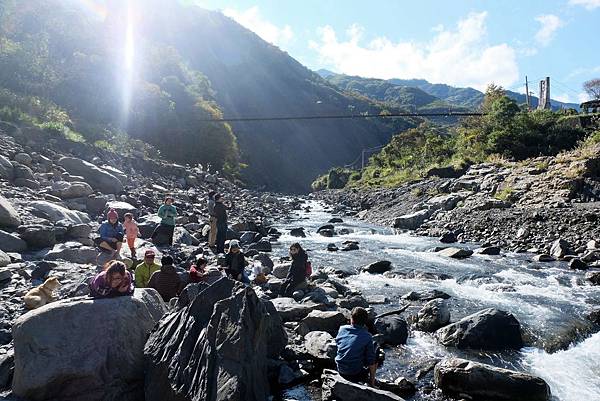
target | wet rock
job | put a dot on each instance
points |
(214, 349)
(322, 321)
(350, 246)
(70, 190)
(560, 248)
(56, 213)
(73, 252)
(8, 215)
(335, 387)
(577, 264)
(543, 258)
(320, 345)
(401, 386)
(248, 237)
(329, 227)
(377, 299)
(332, 247)
(353, 302)
(394, 329)
(489, 329)
(327, 233)
(488, 250)
(76, 339)
(379, 267)
(264, 245)
(456, 376)
(412, 221)
(11, 243)
(335, 220)
(298, 232)
(448, 238)
(38, 236)
(456, 253)
(433, 315)
(593, 278)
(98, 178)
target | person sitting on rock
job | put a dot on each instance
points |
(166, 281)
(111, 234)
(167, 212)
(235, 262)
(220, 211)
(296, 277)
(112, 282)
(146, 269)
(131, 232)
(198, 270)
(356, 359)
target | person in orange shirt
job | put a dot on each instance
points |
(131, 232)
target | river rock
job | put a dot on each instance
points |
(38, 236)
(433, 315)
(560, 248)
(489, 329)
(458, 377)
(73, 252)
(379, 267)
(89, 349)
(11, 243)
(70, 190)
(543, 257)
(412, 221)
(56, 213)
(335, 387)
(456, 253)
(264, 245)
(488, 250)
(593, 278)
(290, 310)
(448, 238)
(98, 178)
(394, 329)
(281, 270)
(426, 295)
(353, 302)
(214, 349)
(322, 321)
(320, 345)
(8, 215)
(577, 264)
(332, 247)
(298, 232)
(350, 246)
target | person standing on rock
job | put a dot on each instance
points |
(296, 277)
(167, 212)
(145, 270)
(131, 232)
(111, 234)
(113, 282)
(356, 360)
(235, 262)
(221, 216)
(212, 234)
(166, 281)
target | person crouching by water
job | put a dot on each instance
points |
(220, 211)
(111, 234)
(113, 282)
(356, 359)
(296, 277)
(167, 212)
(235, 262)
(166, 281)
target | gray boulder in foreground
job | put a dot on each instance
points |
(456, 376)
(9, 217)
(84, 349)
(335, 387)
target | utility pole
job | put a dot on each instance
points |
(527, 94)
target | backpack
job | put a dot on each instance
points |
(308, 272)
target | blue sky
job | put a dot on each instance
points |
(460, 43)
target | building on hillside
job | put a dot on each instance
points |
(592, 106)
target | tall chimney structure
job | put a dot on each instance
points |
(544, 100)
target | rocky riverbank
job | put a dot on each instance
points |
(521, 206)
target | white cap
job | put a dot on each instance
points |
(234, 243)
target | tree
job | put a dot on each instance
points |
(592, 87)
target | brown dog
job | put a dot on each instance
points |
(42, 294)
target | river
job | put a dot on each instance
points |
(549, 300)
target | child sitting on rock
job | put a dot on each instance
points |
(201, 273)
(113, 282)
(235, 262)
(111, 234)
(132, 232)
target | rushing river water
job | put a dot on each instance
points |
(549, 300)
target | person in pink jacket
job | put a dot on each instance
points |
(113, 282)
(131, 232)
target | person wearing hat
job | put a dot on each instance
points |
(235, 262)
(167, 212)
(111, 234)
(166, 281)
(144, 270)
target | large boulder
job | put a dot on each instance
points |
(320, 345)
(214, 349)
(38, 236)
(456, 376)
(456, 253)
(560, 248)
(412, 221)
(70, 190)
(4, 259)
(329, 321)
(56, 213)
(84, 349)
(281, 270)
(122, 208)
(489, 329)
(11, 243)
(73, 252)
(393, 329)
(379, 267)
(335, 387)
(290, 310)
(8, 215)
(433, 315)
(98, 178)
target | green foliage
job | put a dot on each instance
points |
(504, 194)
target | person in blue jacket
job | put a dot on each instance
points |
(111, 234)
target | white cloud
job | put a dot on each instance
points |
(550, 24)
(566, 98)
(589, 4)
(563, 97)
(253, 20)
(583, 71)
(459, 57)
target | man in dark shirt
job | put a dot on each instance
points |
(356, 361)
